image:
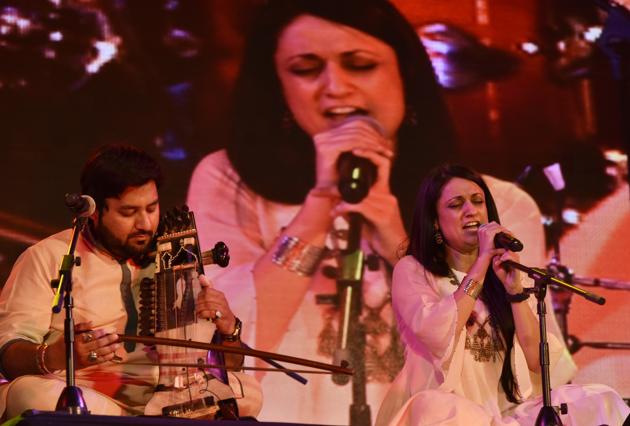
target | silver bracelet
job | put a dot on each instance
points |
(298, 256)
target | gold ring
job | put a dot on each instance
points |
(87, 337)
(92, 356)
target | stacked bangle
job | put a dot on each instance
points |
(472, 287)
(298, 256)
(40, 359)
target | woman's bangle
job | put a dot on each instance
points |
(472, 287)
(40, 359)
(298, 256)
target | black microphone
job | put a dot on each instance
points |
(80, 205)
(356, 177)
(356, 174)
(508, 242)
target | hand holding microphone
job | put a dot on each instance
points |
(356, 174)
(503, 239)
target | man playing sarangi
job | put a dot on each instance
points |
(113, 248)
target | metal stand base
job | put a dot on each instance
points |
(548, 417)
(71, 400)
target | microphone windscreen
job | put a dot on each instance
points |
(80, 205)
(508, 242)
(365, 118)
(356, 174)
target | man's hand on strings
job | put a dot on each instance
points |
(212, 304)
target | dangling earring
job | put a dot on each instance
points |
(411, 116)
(439, 239)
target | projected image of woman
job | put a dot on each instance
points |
(320, 78)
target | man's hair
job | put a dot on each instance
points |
(114, 168)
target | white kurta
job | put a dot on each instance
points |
(25, 313)
(227, 210)
(108, 388)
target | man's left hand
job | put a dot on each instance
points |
(212, 304)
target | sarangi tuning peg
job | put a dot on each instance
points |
(221, 254)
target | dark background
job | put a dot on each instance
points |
(168, 91)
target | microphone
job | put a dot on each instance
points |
(356, 174)
(356, 177)
(80, 205)
(508, 242)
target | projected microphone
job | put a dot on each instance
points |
(508, 242)
(349, 296)
(80, 205)
(356, 174)
(356, 177)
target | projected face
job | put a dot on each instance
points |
(330, 71)
(126, 224)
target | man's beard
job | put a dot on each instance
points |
(123, 250)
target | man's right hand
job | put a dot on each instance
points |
(93, 346)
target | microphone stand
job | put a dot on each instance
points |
(71, 399)
(548, 416)
(351, 331)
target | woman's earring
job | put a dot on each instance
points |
(439, 239)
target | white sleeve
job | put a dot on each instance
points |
(425, 317)
(26, 299)
(225, 210)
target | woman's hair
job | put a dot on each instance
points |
(275, 158)
(432, 256)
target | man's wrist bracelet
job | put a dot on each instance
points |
(40, 359)
(236, 334)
